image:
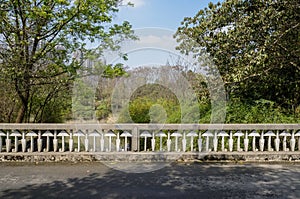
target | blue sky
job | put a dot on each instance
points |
(155, 22)
(161, 13)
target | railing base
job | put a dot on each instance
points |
(151, 157)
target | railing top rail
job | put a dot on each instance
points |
(91, 126)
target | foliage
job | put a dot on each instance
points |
(44, 43)
(152, 103)
(255, 45)
(261, 111)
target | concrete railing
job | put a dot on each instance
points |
(149, 137)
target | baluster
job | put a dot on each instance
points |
(62, 134)
(215, 141)
(199, 142)
(126, 134)
(238, 134)
(145, 134)
(16, 134)
(169, 142)
(246, 142)
(161, 134)
(293, 141)
(192, 134)
(284, 148)
(184, 142)
(284, 144)
(110, 134)
(153, 142)
(71, 141)
(254, 134)
(223, 134)
(86, 141)
(102, 140)
(55, 141)
(79, 134)
(39, 141)
(261, 141)
(277, 141)
(23, 142)
(31, 134)
(207, 134)
(176, 134)
(269, 134)
(118, 141)
(230, 142)
(47, 134)
(253, 144)
(95, 134)
(8, 142)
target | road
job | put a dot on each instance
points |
(174, 180)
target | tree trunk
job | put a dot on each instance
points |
(21, 114)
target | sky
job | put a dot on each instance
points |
(154, 22)
(161, 13)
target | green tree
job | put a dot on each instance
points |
(44, 43)
(255, 45)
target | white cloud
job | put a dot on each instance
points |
(137, 3)
(162, 41)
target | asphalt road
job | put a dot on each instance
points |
(174, 180)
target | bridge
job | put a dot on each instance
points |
(150, 139)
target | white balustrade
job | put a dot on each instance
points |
(224, 138)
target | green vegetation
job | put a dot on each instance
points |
(256, 47)
(43, 44)
(43, 50)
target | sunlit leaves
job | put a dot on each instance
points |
(255, 45)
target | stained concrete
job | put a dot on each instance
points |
(150, 156)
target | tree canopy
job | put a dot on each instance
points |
(44, 43)
(255, 45)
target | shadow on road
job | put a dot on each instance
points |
(174, 181)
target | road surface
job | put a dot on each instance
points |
(175, 180)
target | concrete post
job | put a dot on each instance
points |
(153, 142)
(284, 145)
(86, 141)
(31, 144)
(215, 142)
(23, 141)
(207, 144)
(199, 143)
(261, 142)
(238, 144)
(184, 142)
(39, 141)
(222, 144)
(246, 142)
(71, 142)
(8, 142)
(118, 141)
(293, 141)
(277, 141)
(230, 142)
(102, 141)
(135, 141)
(169, 142)
(55, 142)
(253, 144)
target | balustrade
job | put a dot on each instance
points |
(45, 138)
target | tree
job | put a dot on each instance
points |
(255, 45)
(44, 43)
